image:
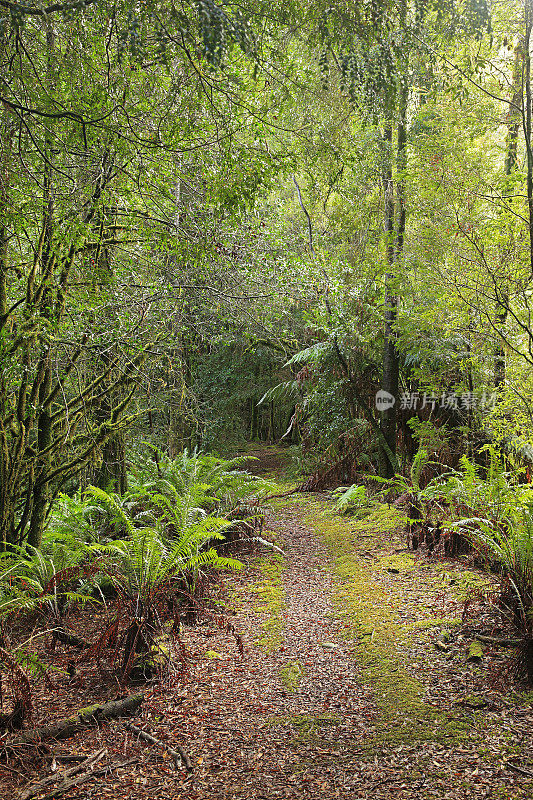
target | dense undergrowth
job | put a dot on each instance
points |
(145, 562)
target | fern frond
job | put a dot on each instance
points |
(110, 504)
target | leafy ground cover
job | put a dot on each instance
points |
(355, 681)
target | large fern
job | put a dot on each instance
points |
(148, 558)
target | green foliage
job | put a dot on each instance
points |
(114, 505)
(47, 580)
(411, 484)
(228, 382)
(74, 518)
(197, 482)
(167, 527)
(142, 564)
(497, 496)
(169, 521)
(153, 253)
(420, 461)
(350, 500)
(510, 545)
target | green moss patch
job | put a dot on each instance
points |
(434, 622)
(270, 603)
(370, 617)
(305, 726)
(291, 675)
(397, 563)
(464, 583)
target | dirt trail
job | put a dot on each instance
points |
(304, 714)
(296, 713)
(262, 735)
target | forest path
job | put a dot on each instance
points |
(346, 688)
(327, 702)
(285, 721)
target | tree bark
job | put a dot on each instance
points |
(86, 716)
(526, 119)
(394, 234)
(511, 145)
(44, 424)
(7, 134)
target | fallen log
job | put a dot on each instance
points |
(91, 715)
(179, 755)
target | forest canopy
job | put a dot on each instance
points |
(202, 202)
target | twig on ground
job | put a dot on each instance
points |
(179, 755)
(68, 758)
(283, 494)
(521, 771)
(498, 642)
(80, 779)
(37, 788)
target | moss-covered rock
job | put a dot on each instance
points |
(475, 652)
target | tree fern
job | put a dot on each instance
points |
(146, 560)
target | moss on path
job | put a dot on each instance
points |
(356, 681)
(369, 610)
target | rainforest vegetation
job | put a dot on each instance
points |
(261, 259)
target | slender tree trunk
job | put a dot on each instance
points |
(112, 471)
(254, 427)
(44, 425)
(41, 491)
(526, 117)
(394, 230)
(6, 503)
(510, 165)
(389, 381)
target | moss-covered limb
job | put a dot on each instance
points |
(90, 715)
(367, 601)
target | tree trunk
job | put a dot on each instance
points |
(44, 434)
(511, 145)
(112, 472)
(6, 504)
(44, 423)
(394, 230)
(526, 119)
